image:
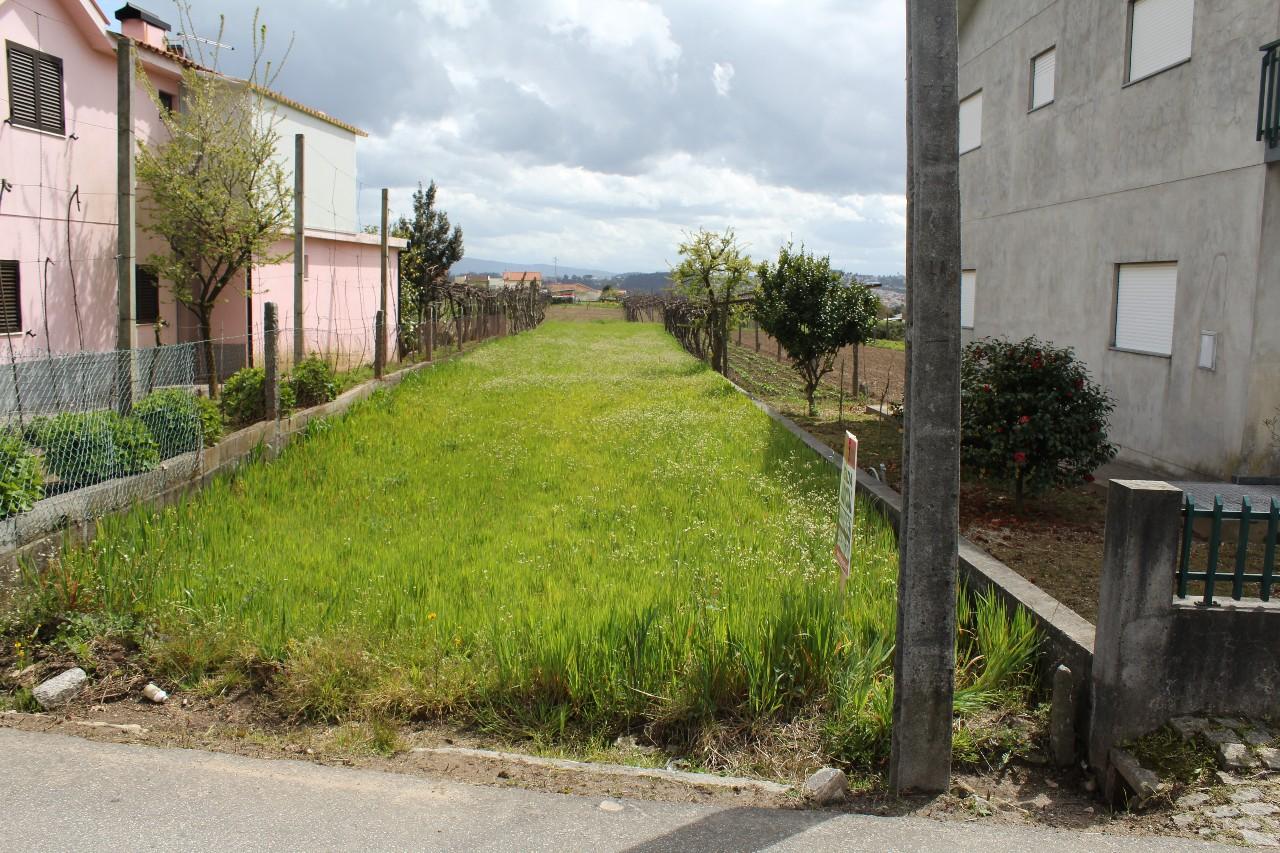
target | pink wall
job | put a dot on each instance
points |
(57, 235)
(46, 169)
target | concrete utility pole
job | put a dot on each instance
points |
(299, 245)
(270, 360)
(924, 658)
(380, 345)
(126, 237)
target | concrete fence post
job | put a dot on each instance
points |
(271, 360)
(1135, 605)
(379, 345)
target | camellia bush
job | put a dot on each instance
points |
(1032, 417)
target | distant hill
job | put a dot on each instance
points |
(481, 265)
(642, 282)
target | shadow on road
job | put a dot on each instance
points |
(740, 829)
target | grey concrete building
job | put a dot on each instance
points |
(1116, 199)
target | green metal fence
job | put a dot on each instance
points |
(1238, 574)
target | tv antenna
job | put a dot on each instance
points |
(204, 40)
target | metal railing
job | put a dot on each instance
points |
(1269, 96)
(1239, 575)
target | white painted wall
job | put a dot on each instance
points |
(330, 167)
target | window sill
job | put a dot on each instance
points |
(968, 150)
(1165, 355)
(52, 134)
(1041, 107)
(1156, 73)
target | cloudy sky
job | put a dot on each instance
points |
(596, 131)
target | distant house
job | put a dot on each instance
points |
(58, 233)
(1120, 194)
(573, 291)
(516, 279)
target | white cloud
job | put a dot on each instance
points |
(722, 77)
(586, 129)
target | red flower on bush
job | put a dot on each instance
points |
(1025, 419)
(1020, 457)
(1088, 478)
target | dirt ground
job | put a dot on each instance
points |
(1015, 794)
(1056, 542)
(881, 371)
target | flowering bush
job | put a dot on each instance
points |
(1031, 415)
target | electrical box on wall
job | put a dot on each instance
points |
(1209, 350)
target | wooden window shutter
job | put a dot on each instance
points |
(10, 298)
(35, 89)
(49, 82)
(22, 87)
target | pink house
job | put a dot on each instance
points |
(58, 201)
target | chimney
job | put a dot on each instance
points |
(143, 26)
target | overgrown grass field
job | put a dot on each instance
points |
(575, 533)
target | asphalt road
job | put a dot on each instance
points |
(65, 793)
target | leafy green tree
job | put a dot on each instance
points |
(715, 271)
(809, 309)
(434, 247)
(213, 189)
(1032, 416)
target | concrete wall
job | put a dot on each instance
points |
(1164, 169)
(1157, 657)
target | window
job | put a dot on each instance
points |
(35, 89)
(10, 298)
(166, 101)
(1159, 35)
(146, 288)
(968, 297)
(971, 122)
(1145, 295)
(1043, 69)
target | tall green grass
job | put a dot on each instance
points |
(580, 530)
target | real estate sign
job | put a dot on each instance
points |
(844, 518)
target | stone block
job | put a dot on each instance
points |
(1236, 756)
(1188, 727)
(827, 786)
(60, 689)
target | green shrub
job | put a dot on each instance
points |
(179, 420)
(244, 398)
(1032, 415)
(21, 481)
(88, 447)
(312, 382)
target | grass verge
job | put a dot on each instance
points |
(566, 536)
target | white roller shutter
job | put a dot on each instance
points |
(971, 122)
(1160, 35)
(968, 297)
(1145, 296)
(1043, 69)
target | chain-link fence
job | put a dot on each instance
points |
(79, 432)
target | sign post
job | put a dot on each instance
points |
(844, 518)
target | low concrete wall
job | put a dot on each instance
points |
(1158, 656)
(1069, 638)
(37, 536)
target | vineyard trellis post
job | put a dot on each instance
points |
(271, 359)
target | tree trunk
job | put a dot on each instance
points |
(810, 391)
(205, 316)
(1017, 493)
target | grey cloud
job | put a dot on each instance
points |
(815, 105)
